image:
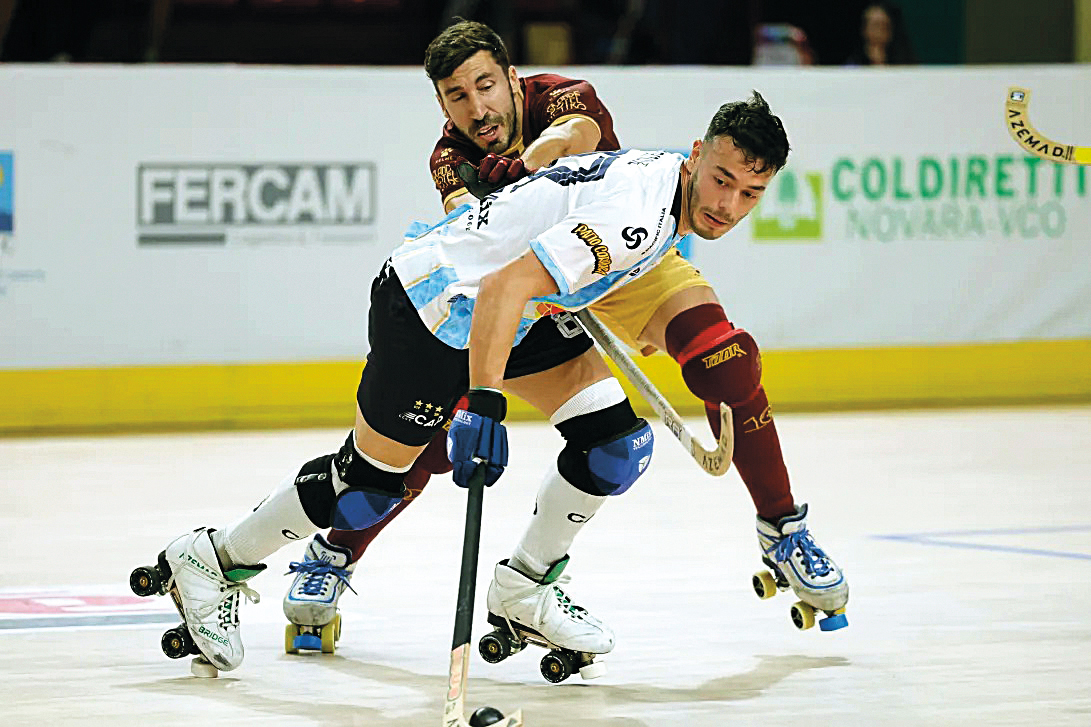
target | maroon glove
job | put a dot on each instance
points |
(493, 173)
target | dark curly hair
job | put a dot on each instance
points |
(755, 130)
(457, 42)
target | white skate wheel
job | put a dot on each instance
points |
(593, 670)
(202, 667)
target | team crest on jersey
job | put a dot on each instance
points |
(598, 248)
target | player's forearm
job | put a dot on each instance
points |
(575, 136)
(502, 297)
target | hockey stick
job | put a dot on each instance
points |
(454, 714)
(1033, 142)
(716, 461)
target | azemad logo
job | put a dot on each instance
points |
(216, 204)
(7, 192)
(791, 209)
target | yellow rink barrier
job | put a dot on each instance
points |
(282, 395)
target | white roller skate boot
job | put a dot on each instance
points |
(311, 602)
(798, 563)
(207, 599)
(524, 610)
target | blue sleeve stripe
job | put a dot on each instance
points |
(551, 267)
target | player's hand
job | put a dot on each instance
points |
(477, 436)
(491, 174)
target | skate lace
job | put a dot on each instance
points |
(814, 559)
(316, 572)
(568, 607)
(227, 608)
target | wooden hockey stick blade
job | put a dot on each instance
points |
(1016, 112)
(454, 707)
(714, 461)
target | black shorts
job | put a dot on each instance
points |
(413, 380)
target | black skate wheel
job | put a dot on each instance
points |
(494, 648)
(485, 716)
(144, 581)
(556, 667)
(177, 642)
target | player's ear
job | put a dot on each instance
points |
(694, 155)
(513, 79)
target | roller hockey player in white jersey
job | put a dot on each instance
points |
(462, 306)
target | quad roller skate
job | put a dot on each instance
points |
(525, 611)
(207, 599)
(311, 602)
(796, 562)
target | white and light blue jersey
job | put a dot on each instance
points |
(595, 221)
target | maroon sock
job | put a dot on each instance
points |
(358, 540)
(757, 457)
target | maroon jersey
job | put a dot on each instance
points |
(547, 99)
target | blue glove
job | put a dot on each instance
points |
(476, 434)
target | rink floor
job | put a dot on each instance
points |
(966, 536)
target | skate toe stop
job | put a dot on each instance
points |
(308, 641)
(593, 670)
(837, 621)
(202, 667)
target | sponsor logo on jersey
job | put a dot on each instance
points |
(645, 159)
(255, 203)
(444, 178)
(725, 355)
(642, 440)
(566, 103)
(598, 248)
(634, 237)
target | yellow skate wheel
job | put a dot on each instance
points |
(329, 636)
(802, 615)
(290, 632)
(765, 585)
(337, 624)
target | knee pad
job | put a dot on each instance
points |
(347, 492)
(722, 363)
(605, 466)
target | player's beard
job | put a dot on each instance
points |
(505, 124)
(696, 219)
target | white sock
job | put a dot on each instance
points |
(279, 519)
(560, 512)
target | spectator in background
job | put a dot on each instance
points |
(883, 40)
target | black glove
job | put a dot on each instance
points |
(493, 173)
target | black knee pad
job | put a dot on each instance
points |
(368, 496)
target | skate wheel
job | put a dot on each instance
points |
(836, 620)
(802, 615)
(337, 626)
(144, 581)
(556, 667)
(329, 636)
(290, 632)
(593, 670)
(494, 647)
(765, 585)
(177, 642)
(202, 667)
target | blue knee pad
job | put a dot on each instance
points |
(616, 464)
(370, 493)
(358, 508)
